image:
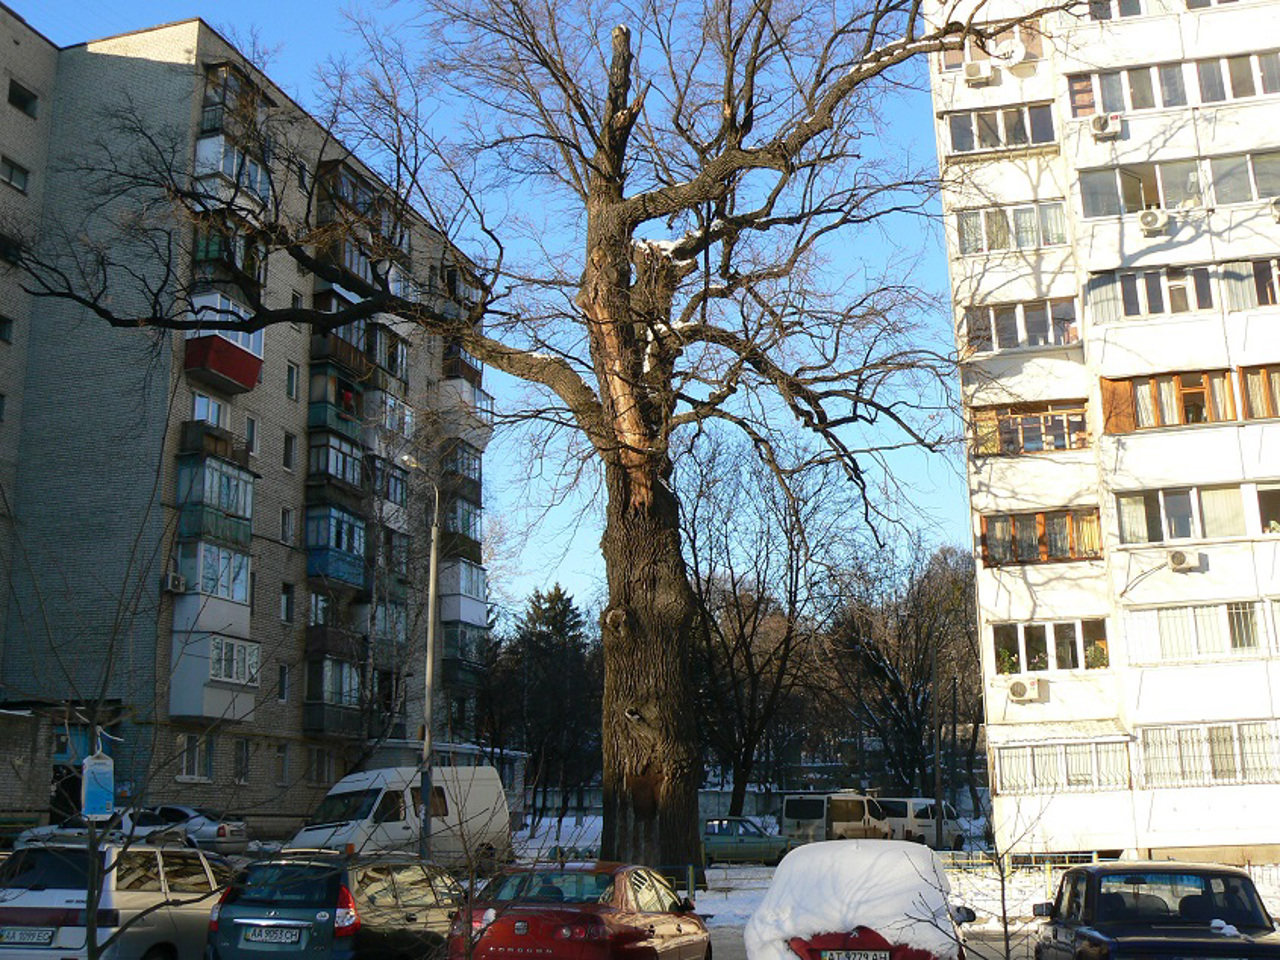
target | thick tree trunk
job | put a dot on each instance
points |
(741, 776)
(651, 767)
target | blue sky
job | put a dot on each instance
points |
(563, 545)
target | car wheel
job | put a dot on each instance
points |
(160, 952)
(958, 843)
(707, 955)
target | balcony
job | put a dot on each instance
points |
(388, 727)
(336, 642)
(196, 521)
(332, 720)
(218, 363)
(202, 437)
(457, 672)
(322, 415)
(331, 347)
(459, 546)
(326, 563)
(389, 653)
(459, 368)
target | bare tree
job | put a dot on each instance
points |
(670, 221)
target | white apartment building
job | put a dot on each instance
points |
(1112, 207)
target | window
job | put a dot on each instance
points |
(464, 640)
(1189, 513)
(335, 528)
(333, 681)
(282, 765)
(391, 622)
(286, 602)
(1260, 391)
(464, 517)
(216, 484)
(1205, 754)
(6, 330)
(14, 174)
(290, 455)
(288, 527)
(233, 661)
(1247, 177)
(464, 460)
(1028, 34)
(395, 550)
(213, 306)
(1008, 228)
(251, 434)
(1136, 187)
(230, 245)
(322, 610)
(1040, 537)
(2, 398)
(22, 98)
(320, 766)
(472, 580)
(336, 457)
(1167, 400)
(1239, 77)
(210, 410)
(230, 159)
(197, 757)
(1150, 293)
(291, 380)
(1180, 634)
(1077, 766)
(282, 683)
(1061, 645)
(390, 482)
(240, 761)
(1030, 428)
(215, 570)
(1016, 126)
(1007, 326)
(1125, 91)
(1110, 9)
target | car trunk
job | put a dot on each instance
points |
(568, 932)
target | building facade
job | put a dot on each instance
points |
(1112, 224)
(215, 542)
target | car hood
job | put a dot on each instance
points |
(1144, 938)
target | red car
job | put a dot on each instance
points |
(579, 912)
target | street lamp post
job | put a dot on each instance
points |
(428, 686)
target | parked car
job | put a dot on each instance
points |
(911, 818)
(741, 840)
(1158, 910)
(844, 815)
(124, 825)
(327, 905)
(858, 900)
(600, 909)
(154, 904)
(206, 828)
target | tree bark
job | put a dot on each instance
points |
(650, 753)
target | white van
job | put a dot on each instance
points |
(845, 815)
(911, 818)
(380, 810)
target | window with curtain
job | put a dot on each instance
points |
(1222, 511)
(1025, 538)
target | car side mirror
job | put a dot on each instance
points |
(1042, 910)
(964, 914)
(684, 905)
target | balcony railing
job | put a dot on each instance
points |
(335, 565)
(322, 415)
(197, 521)
(199, 436)
(324, 640)
(332, 720)
(330, 346)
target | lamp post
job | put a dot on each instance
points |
(429, 673)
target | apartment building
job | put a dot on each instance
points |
(1112, 208)
(214, 542)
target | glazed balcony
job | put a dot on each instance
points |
(324, 640)
(342, 419)
(197, 521)
(331, 347)
(332, 720)
(329, 564)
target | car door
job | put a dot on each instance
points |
(687, 931)
(752, 841)
(1058, 941)
(189, 888)
(425, 903)
(381, 933)
(138, 889)
(656, 923)
(391, 828)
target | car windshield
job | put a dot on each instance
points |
(1160, 897)
(555, 886)
(287, 884)
(345, 807)
(43, 868)
(894, 808)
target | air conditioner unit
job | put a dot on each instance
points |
(1011, 53)
(1180, 561)
(1275, 208)
(1106, 126)
(175, 583)
(1153, 222)
(978, 73)
(1025, 690)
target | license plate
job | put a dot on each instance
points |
(283, 935)
(37, 935)
(855, 955)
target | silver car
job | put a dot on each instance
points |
(155, 902)
(206, 828)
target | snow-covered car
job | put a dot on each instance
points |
(858, 900)
(124, 825)
(207, 829)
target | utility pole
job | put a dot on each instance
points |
(428, 687)
(935, 709)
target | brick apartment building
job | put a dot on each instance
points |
(215, 542)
